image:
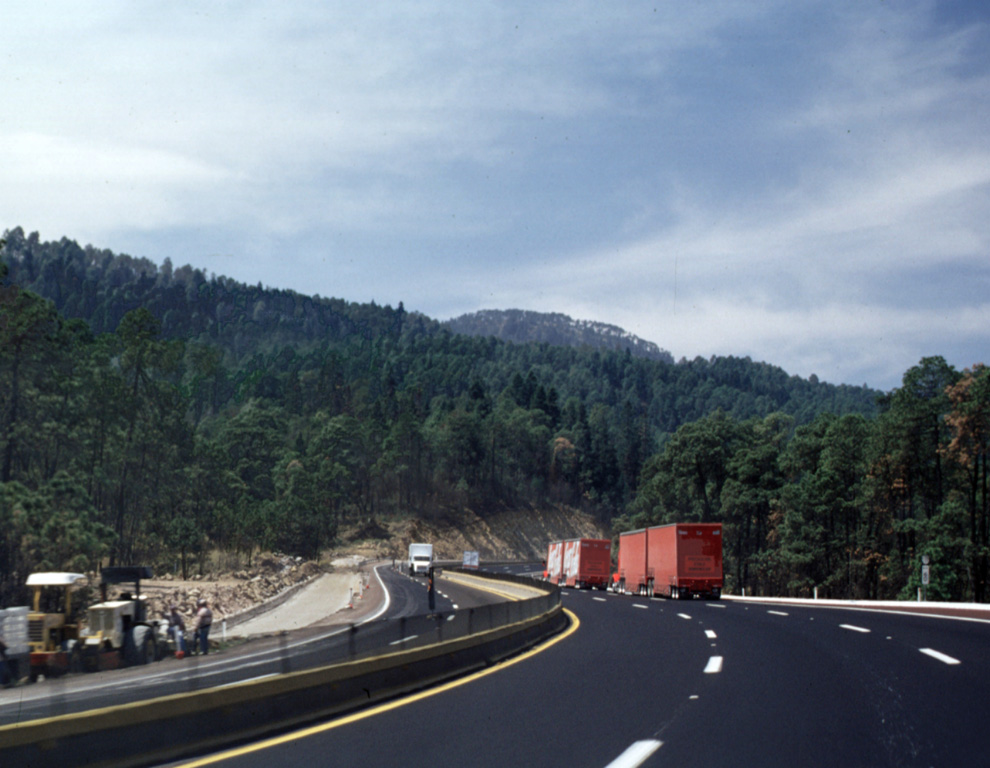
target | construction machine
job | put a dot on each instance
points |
(118, 631)
(53, 633)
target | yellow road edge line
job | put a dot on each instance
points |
(382, 708)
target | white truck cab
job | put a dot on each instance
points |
(420, 559)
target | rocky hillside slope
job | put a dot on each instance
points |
(519, 534)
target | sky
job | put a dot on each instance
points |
(806, 184)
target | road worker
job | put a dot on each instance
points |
(204, 620)
(177, 629)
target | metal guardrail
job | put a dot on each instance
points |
(379, 660)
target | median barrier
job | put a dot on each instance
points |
(386, 659)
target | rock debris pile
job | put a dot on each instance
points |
(232, 593)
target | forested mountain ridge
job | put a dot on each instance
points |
(152, 414)
(100, 287)
(554, 328)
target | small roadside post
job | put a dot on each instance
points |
(432, 591)
(925, 576)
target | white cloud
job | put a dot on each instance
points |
(66, 184)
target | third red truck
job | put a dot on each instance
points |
(579, 563)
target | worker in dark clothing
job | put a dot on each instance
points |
(177, 629)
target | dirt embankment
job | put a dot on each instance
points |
(506, 535)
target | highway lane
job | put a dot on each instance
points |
(863, 685)
(691, 683)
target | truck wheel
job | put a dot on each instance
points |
(139, 646)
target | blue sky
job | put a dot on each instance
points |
(807, 184)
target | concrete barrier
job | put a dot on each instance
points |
(173, 727)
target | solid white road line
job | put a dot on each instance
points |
(854, 628)
(249, 680)
(940, 656)
(636, 754)
(710, 634)
(388, 598)
(714, 665)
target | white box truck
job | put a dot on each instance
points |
(420, 559)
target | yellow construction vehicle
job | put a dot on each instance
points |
(53, 634)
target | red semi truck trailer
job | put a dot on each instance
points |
(579, 563)
(681, 560)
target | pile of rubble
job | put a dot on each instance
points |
(232, 593)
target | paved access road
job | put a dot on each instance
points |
(668, 683)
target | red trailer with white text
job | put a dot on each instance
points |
(681, 560)
(579, 563)
(587, 563)
(555, 562)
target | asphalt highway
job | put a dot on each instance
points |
(648, 682)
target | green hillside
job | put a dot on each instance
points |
(152, 413)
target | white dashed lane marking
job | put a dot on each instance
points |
(714, 665)
(940, 656)
(636, 754)
(854, 628)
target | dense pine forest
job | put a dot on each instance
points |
(154, 414)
